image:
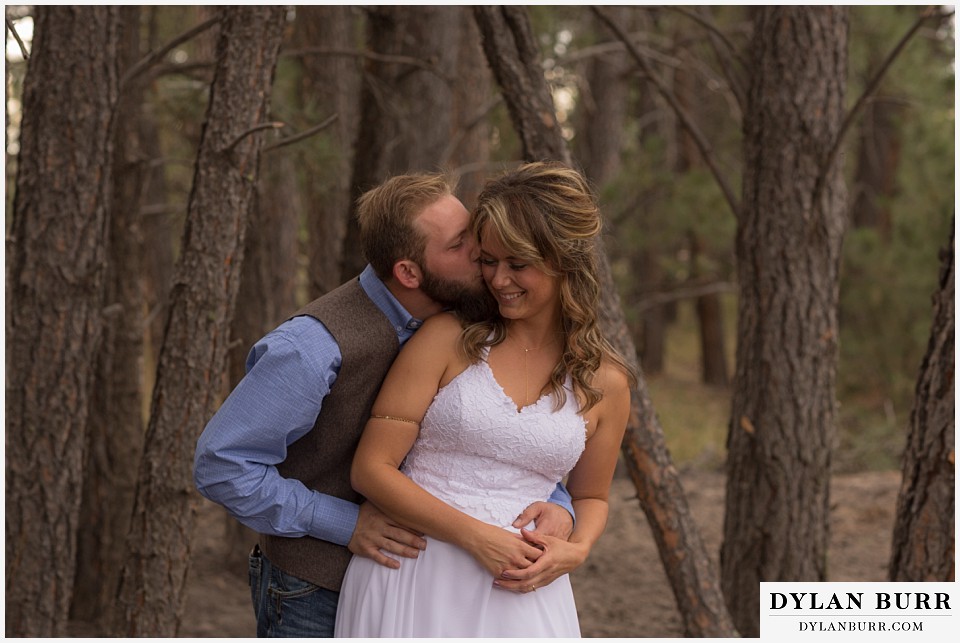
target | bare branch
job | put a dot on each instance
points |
(825, 165)
(714, 31)
(180, 68)
(253, 130)
(616, 46)
(677, 294)
(726, 57)
(16, 36)
(426, 65)
(478, 118)
(157, 55)
(487, 167)
(302, 135)
(162, 209)
(702, 144)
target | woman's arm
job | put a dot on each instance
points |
(589, 486)
(428, 361)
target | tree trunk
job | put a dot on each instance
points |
(878, 160)
(654, 319)
(782, 425)
(468, 150)
(690, 96)
(406, 106)
(56, 256)
(157, 222)
(923, 534)
(330, 84)
(604, 102)
(115, 424)
(201, 304)
(512, 54)
(713, 355)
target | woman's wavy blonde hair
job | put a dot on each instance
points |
(546, 215)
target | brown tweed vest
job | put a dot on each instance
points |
(321, 459)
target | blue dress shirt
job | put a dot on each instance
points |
(289, 372)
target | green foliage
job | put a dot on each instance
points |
(887, 283)
(694, 416)
(653, 206)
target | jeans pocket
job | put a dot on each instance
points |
(284, 585)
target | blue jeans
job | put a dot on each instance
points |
(286, 606)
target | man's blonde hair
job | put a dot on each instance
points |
(386, 215)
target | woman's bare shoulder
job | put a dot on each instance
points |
(442, 324)
(612, 379)
(437, 332)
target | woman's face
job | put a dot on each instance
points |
(521, 289)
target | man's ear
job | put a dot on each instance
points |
(407, 273)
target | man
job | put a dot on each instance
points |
(277, 454)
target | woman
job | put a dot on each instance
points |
(473, 424)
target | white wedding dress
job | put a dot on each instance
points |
(478, 453)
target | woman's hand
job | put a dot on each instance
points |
(499, 550)
(558, 557)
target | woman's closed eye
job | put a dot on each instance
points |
(493, 262)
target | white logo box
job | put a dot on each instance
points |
(858, 611)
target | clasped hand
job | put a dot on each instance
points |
(557, 557)
(532, 559)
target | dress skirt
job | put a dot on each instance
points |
(446, 593)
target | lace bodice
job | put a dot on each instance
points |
(478, 453)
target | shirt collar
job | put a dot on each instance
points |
(403, 322)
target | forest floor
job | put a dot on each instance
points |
(621, 590)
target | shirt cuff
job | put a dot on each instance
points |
(334, 519)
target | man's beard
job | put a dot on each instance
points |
(470, 304)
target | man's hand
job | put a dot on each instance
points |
(375, 531)
(552, 520)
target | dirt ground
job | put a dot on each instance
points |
(621, 590)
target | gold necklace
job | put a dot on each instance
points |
(526, 387)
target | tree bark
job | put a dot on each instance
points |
(56, 255)
(201, 304)
(159, 238)
(713, 355)
(782, 425)
(691, 97)
(603, 105)
(514, 57)
(468, 150)
(653, 320)
(115, 424)
(923, 534)
(406, 102)
(512, 54)
(330, 85)
(878, 159)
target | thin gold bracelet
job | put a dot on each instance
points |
(395, 418)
